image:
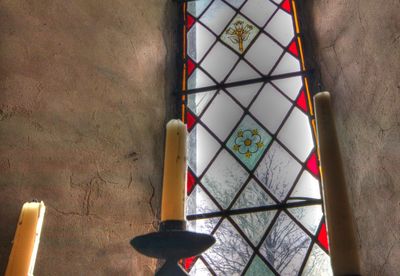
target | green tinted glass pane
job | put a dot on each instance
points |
(258, 268)
(248, 142)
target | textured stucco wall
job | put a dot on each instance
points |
(356, 45)
(83, 100)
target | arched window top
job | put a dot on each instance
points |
(253, 179)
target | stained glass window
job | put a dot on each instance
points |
(253, 177)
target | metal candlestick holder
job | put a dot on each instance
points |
(172, 243)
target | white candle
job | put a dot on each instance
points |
(26, 240)
(175, 167)
(342, 242)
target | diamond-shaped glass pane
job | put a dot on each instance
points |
(309, 216)
(281, 27)
(259, 10)
(318, 263)
(199, 41)
(230, 254)
(289, 86)
(198, 101)
(306, 187)
(264, 53)
(258, 268)
(285, 246)
(202, 148)
(270, 108)
(219, 61)
(199, 268)
(217, 16)
(245, 93)
(253, 196)
(288, 64)
(296, 134)
(239, 33)
(199, 202)
(199, 79)
(241, 72)
(248, 142)
(278, 171)
(254, 224)
(222, 115)
(205, 226)
(224, 178)
(197, 7)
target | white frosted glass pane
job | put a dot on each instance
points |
(224, 178)
(230, 254)
(308, 216)
(270, 108)
(199, 79)
(235, 3)
(253, 196)
(199, 41)
(202, 148)
(296, 134)
(318, 263)
(281, 27)
(199, 268)
(289, 86)
(277, 1)
(219, 61)
(264, 53)
(288, 64)
(307, 186)
(242, 71)
(199, 202)
(245, 93)
(202, 225)
(277, 171)
(197, 7)
(217, 16)
(258, 10)
(222, 115)
(198, 101)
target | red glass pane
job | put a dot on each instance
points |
(189, 21)
(312, 164)
(293, 48)
(190, 66)
(286, 6)
(190, 120)
(190, 182)
(188, 262)
(323, 237)
(302, 101)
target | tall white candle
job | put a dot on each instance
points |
(175, 167)
(342, 241)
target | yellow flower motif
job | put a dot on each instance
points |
(260, 145)
(248, 154)
(240, 133)
(236, 147)
(254, 131)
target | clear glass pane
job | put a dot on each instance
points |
(242, 71)
(230, 253)
(198, 79)
(254, 224)
(277, 171)
(258, 268)
(288, 64)
(281, 27)
(224, 178)
(259, 11)
(289, 86)
(270, 108)
(222, 115)
(309, 216)
(239, 33)
(199, 40)
(318, 263)
(197, 7)
(219, 61)
(199, 202)
(199, 268)
(245, 93)
(236, 3)
(205, 226)
(217, 16)
(285, 246)
(253, 196)
(201, 149)
(264, 53)
(248, 142)
(198, 101)
(296, 134)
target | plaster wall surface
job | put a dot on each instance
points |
(356, 46)
(83, 104)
